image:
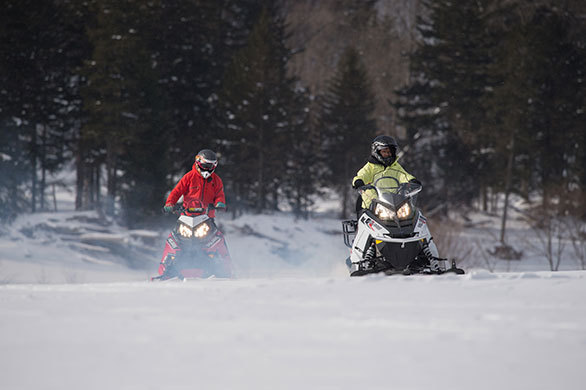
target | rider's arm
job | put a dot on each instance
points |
(366, 174)
(403, 176)
(180, 189)
(219, 197)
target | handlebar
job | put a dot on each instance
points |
(366, 187)
(179, 209)
(406, 189)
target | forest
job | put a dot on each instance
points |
(489, 103)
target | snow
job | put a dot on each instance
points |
(477, 331)
(77, 311)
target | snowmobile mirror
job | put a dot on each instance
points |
(414, 192)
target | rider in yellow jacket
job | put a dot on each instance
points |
(383, 163)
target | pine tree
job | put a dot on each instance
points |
(536, 108)
(443, 106)
(555, 114)
(40, 47)
(257, 103)
(14, 166)
(347, 125)
(302, 176)
(120, 98)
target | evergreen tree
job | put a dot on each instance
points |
(303, 171)
(120, 100)
(14, 165)
(555, 114)
(347, 125)
(257, 102)
(40, 46)
(443, 106)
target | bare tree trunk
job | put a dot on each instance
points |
(43, 166)
(91, 184)
(34, 169)
(54, 198)
(111, 166)
(98, 184)
(78, 178)
(82, 195)
(508, 179)
(261, 157)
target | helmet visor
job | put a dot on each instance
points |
(378, 146)
(205, 164)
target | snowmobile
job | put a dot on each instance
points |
(391, 236)
(195, 248)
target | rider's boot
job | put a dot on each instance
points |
(432, 254)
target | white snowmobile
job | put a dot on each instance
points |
(391, 236)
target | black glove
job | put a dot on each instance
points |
(415, 181)
(358, 183)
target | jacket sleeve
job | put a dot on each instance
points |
(180, 189)
(219, 196)
(365, 173)
(404, 176)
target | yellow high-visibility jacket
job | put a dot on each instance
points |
(372, 171)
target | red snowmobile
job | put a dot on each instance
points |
(195, 248)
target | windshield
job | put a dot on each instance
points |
(393, 192)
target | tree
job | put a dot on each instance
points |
(258, 102)
(14, 165)
(186, 42)
(346, 123)
(537, 103)
(556, 112)
(40, 46)
(303, 170)
(120, 100)
(443, 105)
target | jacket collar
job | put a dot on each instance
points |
(373, 160)
(196, 170)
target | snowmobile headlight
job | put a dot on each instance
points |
(383, 212)
(201, 230)
(185, 231)
(404, 211)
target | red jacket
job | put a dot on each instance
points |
(197, 191)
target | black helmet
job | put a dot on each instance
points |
(382, 142)
(207, 161)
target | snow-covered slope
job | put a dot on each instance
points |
(477, 331)
(83, 247)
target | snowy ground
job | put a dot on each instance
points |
(477, 331)
(77, 311)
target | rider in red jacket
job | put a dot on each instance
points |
(200, 187)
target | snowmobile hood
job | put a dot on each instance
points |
(393, 200)
(193, 221)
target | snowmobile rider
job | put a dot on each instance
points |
(383, 162)
(200, 187)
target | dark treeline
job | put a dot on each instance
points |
(496, 103)
(127, 91)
